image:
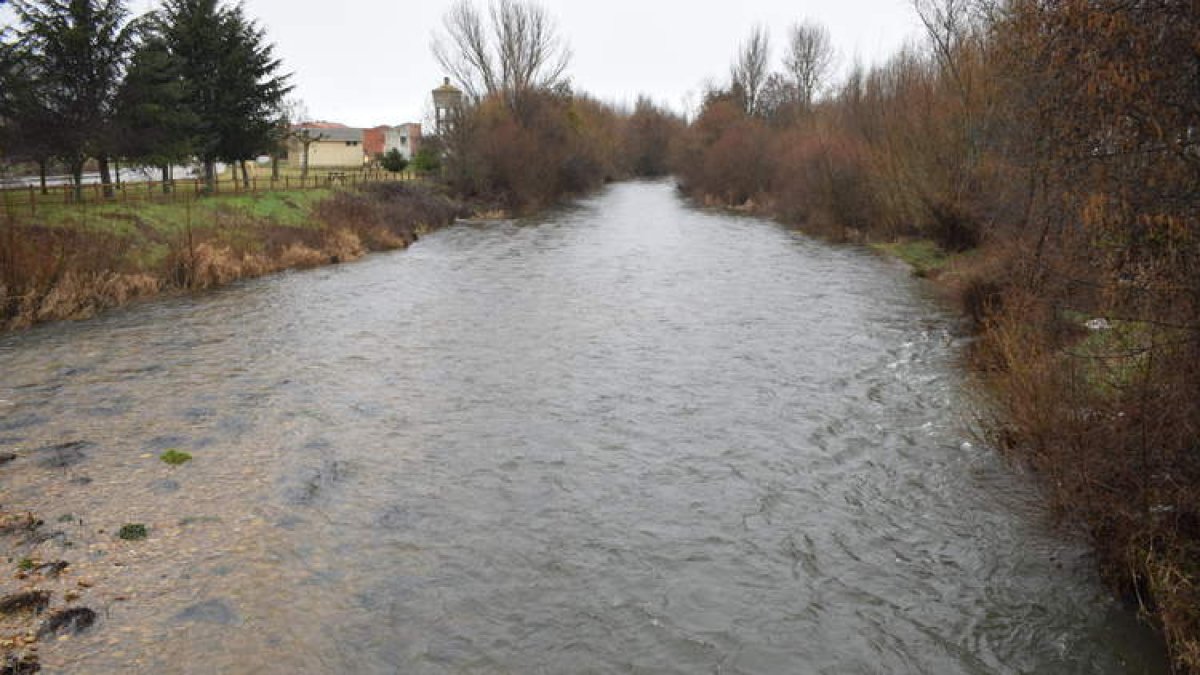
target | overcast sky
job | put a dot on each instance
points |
(368, 62)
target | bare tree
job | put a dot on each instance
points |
(809, 60)
(514, 49)
(749, 71)
(295, 116)
(464, 50)
(949, 24)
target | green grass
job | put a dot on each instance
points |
(167, 218)
(925, 257)
(132, 532)
(175, 457)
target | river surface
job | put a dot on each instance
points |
(628, 436)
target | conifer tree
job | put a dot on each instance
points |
(234, 89)
(76, 50)
(253, 92)
(154, 122)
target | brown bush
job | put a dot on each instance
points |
(60, 272)
(551, 145)
(387, 215)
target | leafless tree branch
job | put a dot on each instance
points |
(809, 59)
(749, 71)
(511, 49)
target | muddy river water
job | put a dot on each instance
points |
(627, 436)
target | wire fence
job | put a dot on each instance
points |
(33, 199)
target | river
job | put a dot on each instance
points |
(628, 436)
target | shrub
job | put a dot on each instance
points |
(426, 161)
(393, 161)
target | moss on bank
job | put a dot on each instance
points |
(926, 258)
(70, 262)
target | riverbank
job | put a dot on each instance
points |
(72, 262)
(1058, 392)
(1054, 386)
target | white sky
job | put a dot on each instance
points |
(368, 62)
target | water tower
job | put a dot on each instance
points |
(447, 106)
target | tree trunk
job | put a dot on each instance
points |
(117, 172)
(77, 177)
(245, 175)
(106, 177)
(210, 174)
(166, 178)
(275, 167)
(304, 163)
(42, 175)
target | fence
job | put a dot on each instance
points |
(31, 199)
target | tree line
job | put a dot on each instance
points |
(525, 138)
(1057, 145)
(83, 79)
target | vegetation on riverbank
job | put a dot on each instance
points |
(550, 145)
(72, 261)
(1056, 143)
(525, 139)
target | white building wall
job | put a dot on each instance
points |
(397, 137)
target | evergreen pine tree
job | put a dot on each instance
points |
(154, 121)
(76, 50)
(234, 87)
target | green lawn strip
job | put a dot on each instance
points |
(283, 207)
(291, 208)
(925, 257)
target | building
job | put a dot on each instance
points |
(447, 107)
(374, 141)
(339, 146)
(403, 137)
(335, 146)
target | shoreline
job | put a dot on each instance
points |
(1153, 584)
(72, 264)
